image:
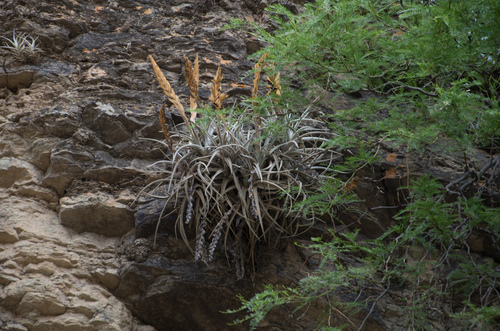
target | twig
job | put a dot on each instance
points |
(374, 303)
(407, 87)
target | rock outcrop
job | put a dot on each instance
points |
(73, 158)
(54, 278)
(76, 131)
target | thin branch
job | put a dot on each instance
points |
(408, 87)
(374, 303)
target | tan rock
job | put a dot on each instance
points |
(32, 219)
(40, 152)
(37, 192)
(10, 264)
(53, 278)
(13, 170)
(16, 327)
(96, 212)
(8, 276)
(45, 268)
(33, 253)
(13, 145)
(13, 293)
(8, 234)
(108, 278)
(41, 304)
(126, 197)
(84, 307)
(65, 322)
(115, 316)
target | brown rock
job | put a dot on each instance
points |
(96, 212)
(16, 80)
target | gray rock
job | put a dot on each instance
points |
(103, 119)
(59, 121)
(54, 38)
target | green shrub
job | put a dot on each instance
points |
(420, 71)
(424, 69)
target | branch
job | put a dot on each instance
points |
(374, 303)
(407, 87)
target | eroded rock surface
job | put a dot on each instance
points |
(98, 212)
(53, 278)
(73, 158)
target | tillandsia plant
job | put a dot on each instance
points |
(23, 47)
(235, 189)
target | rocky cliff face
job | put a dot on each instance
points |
(75, 250)
(72, 161)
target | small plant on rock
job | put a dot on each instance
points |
(23, 47)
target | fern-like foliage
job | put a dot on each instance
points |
(419, 72)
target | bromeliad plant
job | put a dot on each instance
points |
(23, 47)
(235, 177)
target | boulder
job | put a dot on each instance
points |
(96, 212)
(14, 171)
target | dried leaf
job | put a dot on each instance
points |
(165, 130)
(274, 84)
(353, 184)
(222, 61)
(239, 85)
(255, 84)
(216, 97)
(258, 68)
(392, 173)
(192, 78)
(167, 89)
(207, 60)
